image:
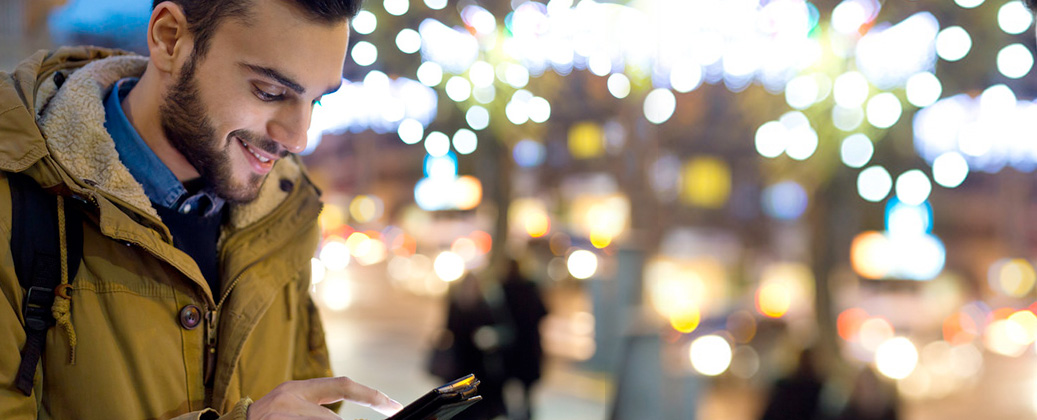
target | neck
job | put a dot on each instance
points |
(142, 107)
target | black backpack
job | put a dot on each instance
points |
(35, 246)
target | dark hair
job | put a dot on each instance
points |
(1032, 4)
(203, 16)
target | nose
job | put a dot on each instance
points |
(290, 126)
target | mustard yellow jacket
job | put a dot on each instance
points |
(133, 358)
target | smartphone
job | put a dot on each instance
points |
(443, 402)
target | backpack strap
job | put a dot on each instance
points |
(35, 246)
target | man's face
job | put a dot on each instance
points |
(247, 102)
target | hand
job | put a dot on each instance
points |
(303, 399)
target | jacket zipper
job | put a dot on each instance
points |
(212, 319)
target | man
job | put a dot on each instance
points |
(191, 297)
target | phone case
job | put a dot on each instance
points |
(443, 402)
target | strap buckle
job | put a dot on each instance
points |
(36, 308)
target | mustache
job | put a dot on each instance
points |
(262, 142)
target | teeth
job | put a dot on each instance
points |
(249, 148)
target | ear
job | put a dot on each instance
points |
(169, 41)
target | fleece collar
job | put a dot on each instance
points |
(73, 123)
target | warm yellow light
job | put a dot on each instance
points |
(600, 239)
(1013, 277)
(336, 292)
(529, 216)
(317, 271)
(896, 358)
(1022, 327)
(686, 319)
(359, 244)
(870, 255)
(334, 254)
(706, 182)
(773, 300)
(374, 252)
(586, 140)
(874, 332)
(469, 192)
(537, 224)
(331, 217)
(465, 247)
(997, 338)
(364, 209)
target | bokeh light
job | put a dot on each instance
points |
(874, 332)
(1014, 17)
(618, 85)
(913, 187)
(950, 169)
(785, 200)
(410, 131)
(870, 255)
(364, 22)
(465, 141)
(477, 117)
(850, 89)
(449, 266)
(659, 105)
(582, 264)
(874, 183)
(1014, 61)
(437, 144)
(923, 89)
(364, 53)
(430, 74)
(1013, 277)
(953, 43)
(896, 358)
(408, 41)
(710, 355)
(884, 110)
(396, 7)
(856, 150)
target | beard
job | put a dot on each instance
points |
(186, 124)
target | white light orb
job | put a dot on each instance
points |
(913, 187)
(408, 41)
(364, 53)
(477, 117)
(874, 183)
(801, 92)
(335, 256)
(771, 139)
(517, 111)
(336, 292)
(582, 264)
(411, 131)
(458, 89)
(317, 271)
(437, 144)
(847, 119)
(968, 4)
(848, 16)
(950, 169)
(436, 4)
(600, 64)
(1014, 61)
(619, 85)
(685, 76)
(850, 89)
(802, 142)
(396, 7)
(710, 355)
(365, 22)
(539, 109)
(856, 150)
(884, 110)
(896, 358)
(1014, 17)
(953, 43)
(923, 89)
(481, 74)
(660, 105)
(430, 74)
(465, 141)
(448, 266)
(517, 76)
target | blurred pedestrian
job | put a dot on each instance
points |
(475, 346)
(871, 399)
(797, 396)
(523, 358)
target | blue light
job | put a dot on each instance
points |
(905, 219)
(442, 166)
(785, 200)
(528, 153)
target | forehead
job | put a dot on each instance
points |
(277, 34)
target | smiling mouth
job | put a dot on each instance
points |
(259, 157)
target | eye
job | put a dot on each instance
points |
(267, 92)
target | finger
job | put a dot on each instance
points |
(330, 390)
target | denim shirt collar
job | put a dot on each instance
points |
(160, 185)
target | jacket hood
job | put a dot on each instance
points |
(58, 134)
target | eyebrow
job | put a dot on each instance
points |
(284, 79)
